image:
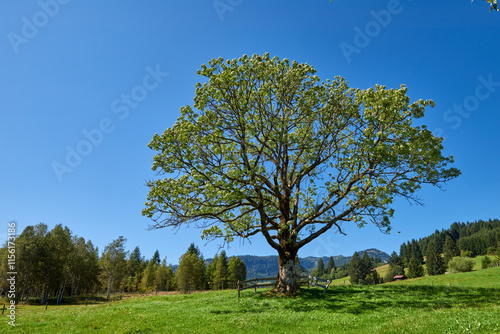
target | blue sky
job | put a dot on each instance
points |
(98, 79)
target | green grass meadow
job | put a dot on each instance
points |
(470, 305)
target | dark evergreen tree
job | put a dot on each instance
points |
(355, 269)
(454, 231)
(438, 238)
(367, 264)
(404, 253)
(395, 260)
(415, 269)
(434, 261)
(194, 250)
(331, 265)
(320, 269)
(220, 272)
(156, 258)
(135, 262)
(450, 249)
(415, 252)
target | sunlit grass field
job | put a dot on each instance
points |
(470, 305)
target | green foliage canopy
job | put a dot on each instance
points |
(271, 149)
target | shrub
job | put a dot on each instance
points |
(485, 263)
(389, 277)
(465, 253)
(461, 264)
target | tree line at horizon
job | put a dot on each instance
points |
(451, 249)
(56, 264)
(357, 267)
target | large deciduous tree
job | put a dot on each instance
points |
(270, 149)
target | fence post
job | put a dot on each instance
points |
(326, 287)
(238, 288)
(255, 285)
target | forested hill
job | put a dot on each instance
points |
(470, 239)
(265, 266)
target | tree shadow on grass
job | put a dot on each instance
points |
(67, 301)
(361, 299)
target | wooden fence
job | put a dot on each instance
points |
(314, 282)
(310, 281)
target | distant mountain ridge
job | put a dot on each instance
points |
(265, 266)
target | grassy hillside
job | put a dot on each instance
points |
(388, 308)
(477, 278)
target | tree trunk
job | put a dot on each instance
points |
(45, 293)
(74, 289)
(288, 280)
(109, 288)
(27, 296)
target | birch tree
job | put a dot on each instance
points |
(114, 264)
